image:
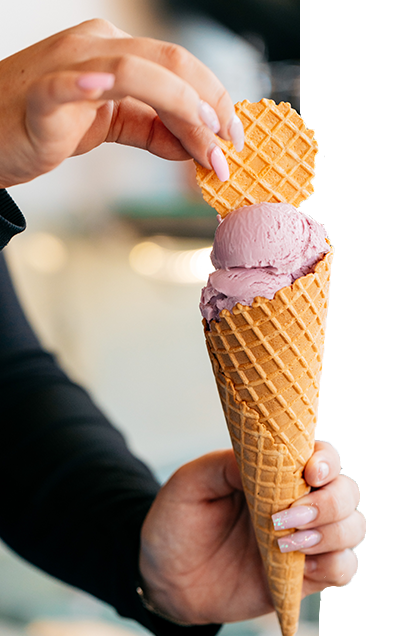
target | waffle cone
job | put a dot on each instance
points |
(267, 362)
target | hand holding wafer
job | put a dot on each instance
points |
(94, 83)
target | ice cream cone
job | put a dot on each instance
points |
(267, 362)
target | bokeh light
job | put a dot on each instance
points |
(148, 258)
(45, 253)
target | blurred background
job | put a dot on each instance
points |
(112, 263)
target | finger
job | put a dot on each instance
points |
(176, 102)
(186, 66)
(137, 124)
(324, 570)
(329, 504)
(323, 466)
(335, 536)
(212, 476)
(56, 89)
(181, 63)
(133, 124)
(199, 144)
(59, 113)
(96, 27)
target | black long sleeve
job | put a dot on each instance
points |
(12, 220)
(74, 497)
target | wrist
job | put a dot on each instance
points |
(151, 607)
(156, 601)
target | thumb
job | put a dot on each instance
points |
(55, 89)
(212, 476)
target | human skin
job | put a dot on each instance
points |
(199, 556)
(93, 83)
(63, 97)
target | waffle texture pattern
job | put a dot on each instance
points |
(276, 164)
(267, 361)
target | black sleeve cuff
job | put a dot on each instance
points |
(160, 625)
(12, 220)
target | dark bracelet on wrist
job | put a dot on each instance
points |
(154, 610)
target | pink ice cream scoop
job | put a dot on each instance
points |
(258, 250)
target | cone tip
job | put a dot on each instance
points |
(288, 630)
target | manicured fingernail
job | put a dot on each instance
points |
(208, 116)
(96, 81)
(299, 540)
(236, 132)
(219, 163)
(294, 517)
(323, 471)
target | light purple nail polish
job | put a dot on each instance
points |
(294, 517)
(208, 116)
(299, 540)
(94, 81)
(236, 132)
(219, 163)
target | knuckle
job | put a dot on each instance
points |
(340, 532)
(181, 95)
(331, 501)
(362, 522)
(330, 450)
(222, 98)
(224, 104)
(342, 568)
(100, 24)
(68, 42)
(43, 92)
(175, 56)
(196, 134)
(123, 63)
(351, 568)
(343, 579)
(181, 98)
(353, 487)
(323, 446)
(356, 492)
(52, 88)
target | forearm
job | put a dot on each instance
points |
(76, 496)
(78, 499)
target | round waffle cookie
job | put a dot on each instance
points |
(276, 164)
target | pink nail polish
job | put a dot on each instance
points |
(95, 81)
(208, 116)
(294, 517)
(299, 540)
(219, 163)
(236, 132)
